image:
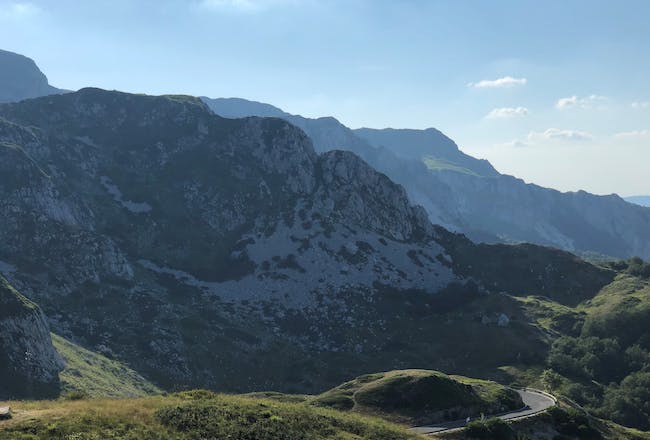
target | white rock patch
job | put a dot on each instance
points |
(113, 190)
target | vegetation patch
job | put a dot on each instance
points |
(420, 396)
(89, 374)
(573, 423)
(189, 416)
(12, 303)
(492, 429)
(436, 164)
(605, 365)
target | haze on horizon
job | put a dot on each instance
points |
(555, 93)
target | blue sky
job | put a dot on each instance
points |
(555, 92)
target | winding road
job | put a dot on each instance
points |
(534, 401)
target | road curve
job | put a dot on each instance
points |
(534, 401)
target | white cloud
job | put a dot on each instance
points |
(515, 143)
(574, 101)
(506, 81)
(507, 113)
(18, 10)
(245, 6)
(551, 136)
(634, 134)
(640, 104)
(556, 134)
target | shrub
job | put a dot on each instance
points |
(75, 395)
(638, 267)
(588, 357)
(629, 403)
(492, 428)
(572, 422)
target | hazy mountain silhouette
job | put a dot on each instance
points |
(20, 78)
(639, 200)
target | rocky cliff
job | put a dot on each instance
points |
(20, 78)
(29, 364)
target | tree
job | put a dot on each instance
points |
(551, 380)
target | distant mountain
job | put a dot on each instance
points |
(639, 200)
(468, 195)
(242, 108)
(432, 147)
(20, 78)
(325, 133)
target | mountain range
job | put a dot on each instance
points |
(457, 191)
(469, 196)
(170, 237)
(214, 230)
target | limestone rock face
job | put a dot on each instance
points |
(29, 364)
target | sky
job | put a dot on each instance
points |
(555, 92)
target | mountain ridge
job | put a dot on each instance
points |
(639, 200)
(467, 195)
(422, 144)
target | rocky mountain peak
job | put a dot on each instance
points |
(20, 78)
(371, 198)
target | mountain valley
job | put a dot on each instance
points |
(339, 281)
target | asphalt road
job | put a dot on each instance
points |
(535, 402)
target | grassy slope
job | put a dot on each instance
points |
(441, 164)
(626, 294)
(12, 303)
(94, 375)
(419, 396)
(190, 415)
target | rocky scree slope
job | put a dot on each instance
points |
(227, 253)
(469, 196)
(29, 364)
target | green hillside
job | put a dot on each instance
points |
(599, 355)
(191, 415)
(419, 397)
(90, 374)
